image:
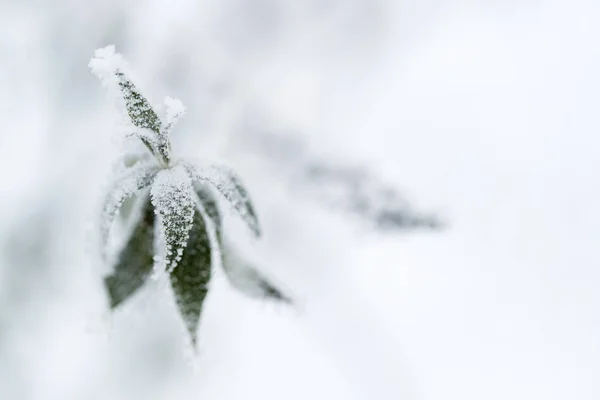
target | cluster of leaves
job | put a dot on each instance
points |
(177, 228)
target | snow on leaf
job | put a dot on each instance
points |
(189, 279)
(135, 260)
(245, 278)
(130, 182)
(228, 183)
(172, 197)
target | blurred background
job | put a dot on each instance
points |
(483, 111)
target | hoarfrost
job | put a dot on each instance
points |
(172, 197)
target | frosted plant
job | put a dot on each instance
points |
(177, 228)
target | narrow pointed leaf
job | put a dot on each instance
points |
(132, 181)
(190, 277)
(229, 184)
(172, 197)
(139, 109)
(143, 116)
(247, 279)
(135, 260)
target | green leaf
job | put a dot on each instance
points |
(190, 277)
(230, 185)
(139, 109)
(135, 260)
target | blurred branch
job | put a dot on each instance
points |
(341, 187)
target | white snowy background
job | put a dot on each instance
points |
(484, 111)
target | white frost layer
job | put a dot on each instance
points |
(173, 200)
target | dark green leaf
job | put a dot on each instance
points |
(135, 260)
(190, 277)
(139, 109)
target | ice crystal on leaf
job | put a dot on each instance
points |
(172, 199)
(179, 216)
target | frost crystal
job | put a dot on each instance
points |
(133, 180)
(175, 110)
(172, 199)
(227, 182)
(104, 64)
